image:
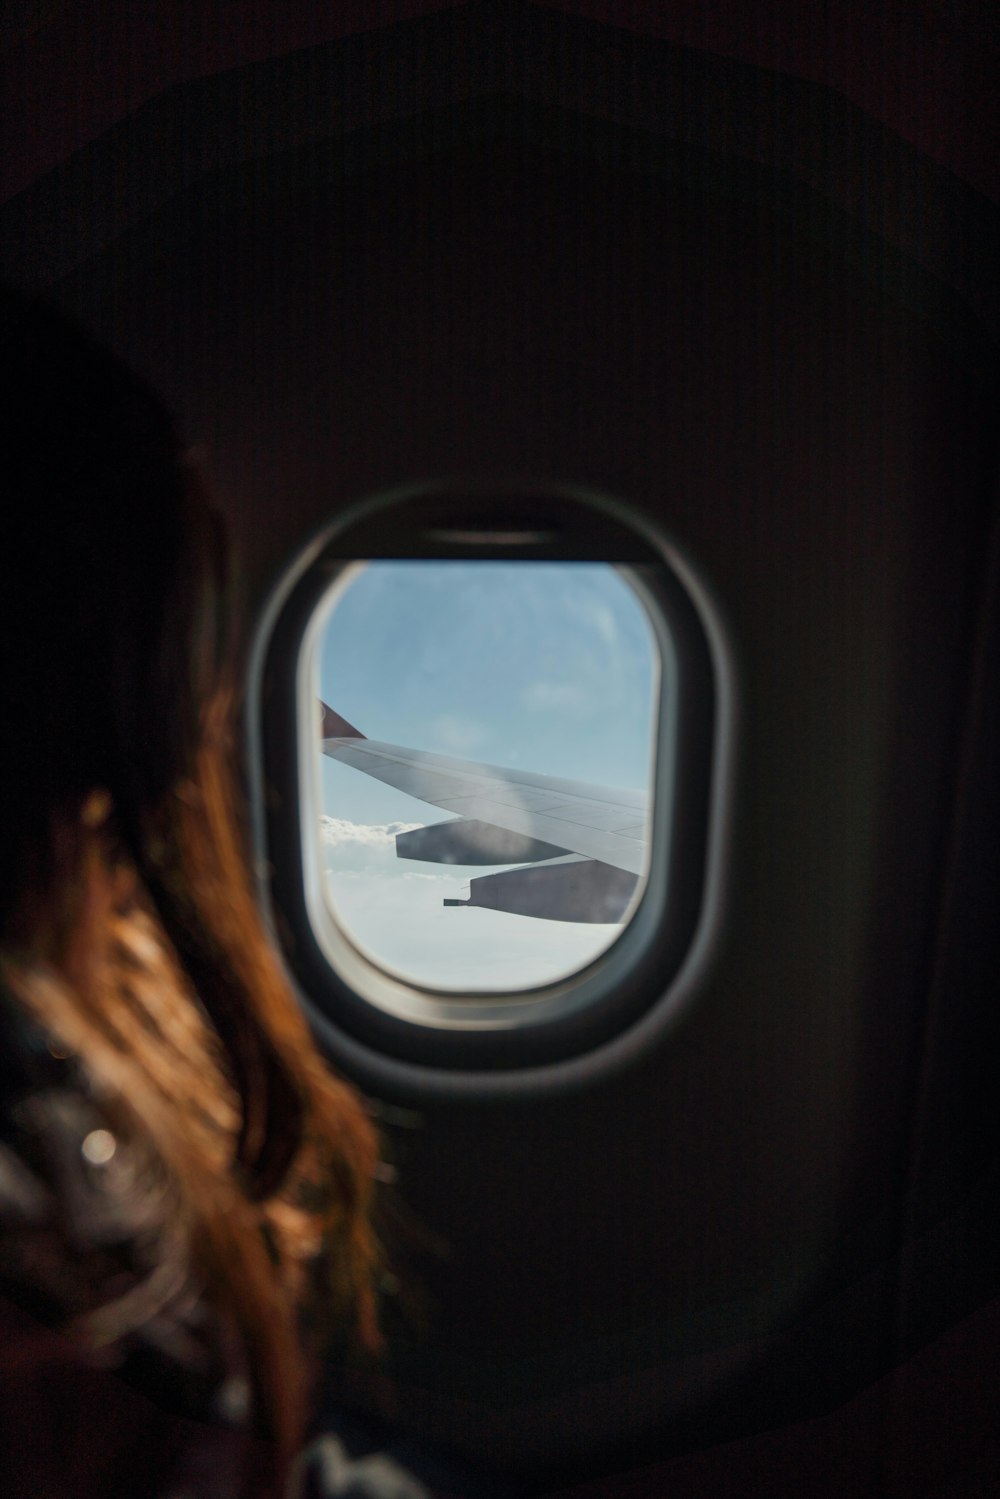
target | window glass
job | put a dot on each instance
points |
(481, 770)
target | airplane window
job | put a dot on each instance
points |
(488, 736)
(480, 775)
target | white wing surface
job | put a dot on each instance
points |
(595, 822)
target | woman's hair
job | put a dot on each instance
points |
(128, 924)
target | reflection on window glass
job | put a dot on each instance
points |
(483, 764)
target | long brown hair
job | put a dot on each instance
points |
(128, 924)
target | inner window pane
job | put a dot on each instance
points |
(483, 766)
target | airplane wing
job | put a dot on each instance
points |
(506, 815)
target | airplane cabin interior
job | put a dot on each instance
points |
(740, 277)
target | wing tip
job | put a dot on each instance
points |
(333, 726)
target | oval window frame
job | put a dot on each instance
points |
(401, 1038)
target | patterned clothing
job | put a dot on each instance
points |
(116, 1376)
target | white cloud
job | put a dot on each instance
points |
(397, 914)
(403, 924)
(361, 846)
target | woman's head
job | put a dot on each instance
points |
(108, 587)
(123, 835)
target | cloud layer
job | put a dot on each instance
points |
(397, 914)
(361, 846)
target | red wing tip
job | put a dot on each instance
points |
(332, 726)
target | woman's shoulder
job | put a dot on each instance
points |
(90, 1240)
(98, 1311)
(108, 1347)
(76, 1203)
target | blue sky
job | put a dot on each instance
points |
(544, 667)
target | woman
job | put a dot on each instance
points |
(185, 1191)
